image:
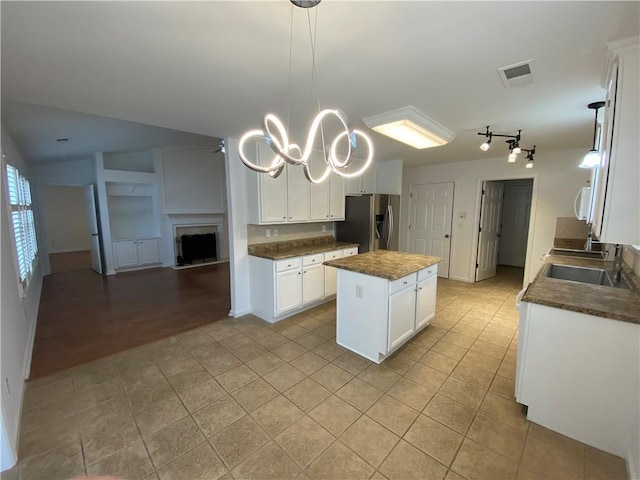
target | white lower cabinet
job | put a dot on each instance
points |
(376, 316)
(284, 287)
(136, 253)
(330, 273)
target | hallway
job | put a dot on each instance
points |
(84, 316)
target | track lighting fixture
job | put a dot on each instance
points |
(592, 158)
(513, 143)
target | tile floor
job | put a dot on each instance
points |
(243, 399)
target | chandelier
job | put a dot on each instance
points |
(337, 153)
(513, 143)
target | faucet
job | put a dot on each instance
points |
(589, 243)
(617, 263)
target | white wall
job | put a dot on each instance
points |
(64, 214)
(18, 317)
(557, 178)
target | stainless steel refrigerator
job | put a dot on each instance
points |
(372, 221)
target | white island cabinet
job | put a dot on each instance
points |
(376, 312)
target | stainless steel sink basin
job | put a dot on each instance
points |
(565, 252)
(593, 276)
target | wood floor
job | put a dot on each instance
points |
(85, 316)
(70, 261)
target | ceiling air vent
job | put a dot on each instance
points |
(63, 140)
(517, 75)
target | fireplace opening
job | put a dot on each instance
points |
(196, 248)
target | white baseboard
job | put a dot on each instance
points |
(240, 313)
(461, 279)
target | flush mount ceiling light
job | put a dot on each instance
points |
(592, 158)
(410, 126)
(513, 144)
(275, 134)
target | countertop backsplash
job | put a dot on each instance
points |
(287, 231)
(631, 256)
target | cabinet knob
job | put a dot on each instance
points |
(298, 273)
(447, 235)
(331, 216)
(404, 283)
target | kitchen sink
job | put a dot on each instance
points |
(593, 276)
(565, 252)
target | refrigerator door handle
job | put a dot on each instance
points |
(390, 226)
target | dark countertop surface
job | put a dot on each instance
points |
(602, 301)
(384, 263)
(297, 248)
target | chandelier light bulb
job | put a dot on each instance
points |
(512, 157)
(529, 164)
(485, 146)
(517, 149)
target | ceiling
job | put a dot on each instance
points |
(215, 68)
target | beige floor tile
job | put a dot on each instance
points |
(309, 363)
(284, 377)
(310, 322)
(219, 331)
(235, 341)
(200, 395)
(406, 462)
(462, 392)
(393, 414)
(434, 439)
(558, 440)
(359, 394)
(453, 414)
(497, 436)
(475, 462)
(236, 378)
(255, 394)
(339, 462)
(399, 362)
(201, 463)
(410, 393)
(550, 462)
(490, 336)
(265, 363)
(326, 331)
(439, 362)
(426, 376)
(92, 376)
(503, 387)
(332, 377)
(379, 376)
(490, 349)
(289, 351)
(186, 379)
(310, 340)
(145, 397)
(272, 341)
(335, 415)
(268, 463)
(413, 351)
(236, 443)
(305, 440)
(47, 412)
(218, 415)
(504, 410)
(604, 466)
(293, 332)
(329, 350)
(458, 339)
(131, 463)
(219, 363)
(249, 352)
(474, 376)
(480, 360)
(37, 393)
(449, 349)
(467, 330)
(160, 414)
(170, 442)
(352, 362)
(369, 440)
(276, 415)
(451, 475)
(507, 369)
(64, 461)
(307, 394)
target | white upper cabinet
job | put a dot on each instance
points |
(267, 196)
(617, 203)
(298, 190)
(336, 197)
(383, 177)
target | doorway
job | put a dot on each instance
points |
(430, 216)
(503, 230)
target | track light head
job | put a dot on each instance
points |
(485, 146)
(512, 157)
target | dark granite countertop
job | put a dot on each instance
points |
(297, 248)
(602, 301)
(384, 263)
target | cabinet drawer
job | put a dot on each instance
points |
(288, 264)
(350, 251)
(333, 255)
(427, 272)
(401, 283)
(313, 259)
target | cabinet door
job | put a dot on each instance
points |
(126, 254)
(425, 302)
(319, 201)
(354, 186)
(297, 194)
(273, 191)
(312, 283)
(331, 273)
(336, 202)
(402, 315)
(288, 290)
(369, 180)
(148, 252)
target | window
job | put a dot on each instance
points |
(24, 231)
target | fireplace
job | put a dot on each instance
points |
(196, 243)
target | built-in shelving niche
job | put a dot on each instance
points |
(132, 210)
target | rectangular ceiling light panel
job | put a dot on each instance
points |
(409, 125)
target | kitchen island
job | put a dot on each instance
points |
(383, 299)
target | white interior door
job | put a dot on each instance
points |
(430, 212)
(489, 230)
(92, 215)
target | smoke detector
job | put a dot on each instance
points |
(517, 75)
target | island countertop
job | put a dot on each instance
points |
(385, 263)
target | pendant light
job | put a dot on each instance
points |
(592, 158)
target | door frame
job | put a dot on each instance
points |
(532, 216)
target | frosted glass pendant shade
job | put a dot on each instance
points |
(590, 160)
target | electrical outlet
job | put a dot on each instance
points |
(359, 291)
(6, 386)
(324, 228)
(275, 232)
(267, 232)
